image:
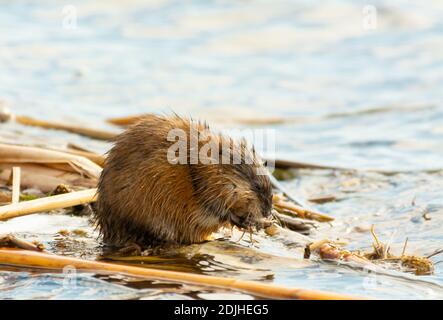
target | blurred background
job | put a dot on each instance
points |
(355, 84)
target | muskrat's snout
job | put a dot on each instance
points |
(266, 219)
(246, 221)
(267, 213)
(255, 211)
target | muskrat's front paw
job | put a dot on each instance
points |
(248, 221)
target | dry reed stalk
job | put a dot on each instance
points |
(299, 211)
(46, 204)
(295, 224)
(74, 146)
(44, 178)
(15, 184)
(323, 199)
(61, 160)
(288, 164)
(129, 120)
(126, 121)
(94, 157)
(88, 132)
(11, 240)
(40, 260)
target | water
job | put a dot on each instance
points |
(341, 96)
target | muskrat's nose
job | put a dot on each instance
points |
(266, 219)
(267, 213)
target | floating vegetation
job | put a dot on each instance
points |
(380, 255)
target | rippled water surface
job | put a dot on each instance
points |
(336, 94)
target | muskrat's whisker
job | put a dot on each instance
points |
(243, 234)
(251, 239)
(276, 217)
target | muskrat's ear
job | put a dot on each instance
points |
(244, 204)
(230, 187)
(239, 188)
(232, 190)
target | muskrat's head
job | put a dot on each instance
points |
(250, 203)
(237, 191)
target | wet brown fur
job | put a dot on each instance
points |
(144, 199)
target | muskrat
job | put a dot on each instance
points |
(146, 196)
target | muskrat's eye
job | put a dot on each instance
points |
(258, 187)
